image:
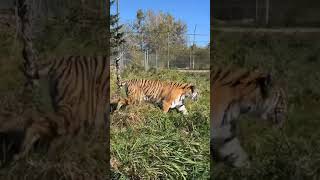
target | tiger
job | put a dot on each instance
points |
(78, 88)
(236, 91)
(167, 94)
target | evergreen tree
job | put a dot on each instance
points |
(117, 37)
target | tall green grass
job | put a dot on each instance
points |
(293, 59)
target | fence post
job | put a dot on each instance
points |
(193, 62)
(156, 60)
(147, 64)
(267, 11)
(256, 12)
(144, 62)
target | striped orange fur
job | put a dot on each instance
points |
(236, 91)
(167, 94)
(79, 91)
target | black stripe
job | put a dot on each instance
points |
(61, 69)
(104, 61)
(75, 80)
(83, 69)
(66, 81)
(59, 62)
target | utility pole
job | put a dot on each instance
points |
(190, 55)
(194, 37)
(168, 51)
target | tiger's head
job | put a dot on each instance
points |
(191, 92)
(266, 101)
(248, 92)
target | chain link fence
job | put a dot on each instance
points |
(185, 59)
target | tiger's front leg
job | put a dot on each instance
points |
(183, 110)
(123, 102)
(175, 103)
(225, 146)
(165, 106)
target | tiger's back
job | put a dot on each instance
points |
(152, 90)
(156, 91)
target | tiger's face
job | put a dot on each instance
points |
(192, 92)
(237, 91)
(267, 102)
(274, 108)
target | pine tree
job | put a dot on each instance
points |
(117, 37)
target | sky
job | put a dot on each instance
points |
(192, 12)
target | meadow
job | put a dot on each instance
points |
(293, 60)
(148, 144)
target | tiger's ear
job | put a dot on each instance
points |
(265, 83)
(193, 88)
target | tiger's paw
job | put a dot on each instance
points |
(242, 164)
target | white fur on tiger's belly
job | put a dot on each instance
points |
(178, 103)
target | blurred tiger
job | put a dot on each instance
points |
(236, 91)
(168, 95)
(78, 89)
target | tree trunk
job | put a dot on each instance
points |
(24, 8)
